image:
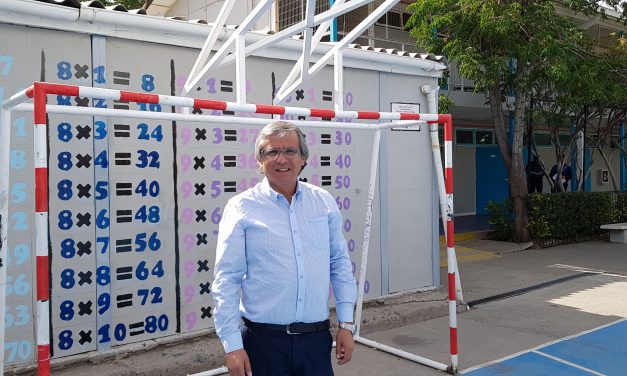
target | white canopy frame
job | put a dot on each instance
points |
(301, 72)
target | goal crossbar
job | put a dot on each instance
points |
(38, 93)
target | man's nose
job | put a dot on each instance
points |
(281, 157)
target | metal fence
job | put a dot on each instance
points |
(291, 12)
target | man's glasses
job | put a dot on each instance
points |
(289, 153)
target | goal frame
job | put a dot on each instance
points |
(39, 91)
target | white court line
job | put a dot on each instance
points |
(586, 270)
(486, 364)
(569, 363)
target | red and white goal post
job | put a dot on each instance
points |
(39, 91)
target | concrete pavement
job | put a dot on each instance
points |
(593, 296)
(553, 308)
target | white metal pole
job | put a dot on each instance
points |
(213, 372)
(364, 250)
(338, 80)
(5, 150)
(401, 353)
(209, 43)
(432, 95)
(240, 69)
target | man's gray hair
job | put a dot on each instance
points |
(279, 128)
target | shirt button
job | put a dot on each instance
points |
(301, 277)
(300, 300)
(300, 254)
(295, 232)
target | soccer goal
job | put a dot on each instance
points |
(379, 122)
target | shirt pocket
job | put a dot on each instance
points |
(320, 231)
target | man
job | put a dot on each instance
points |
(535, 172)
(565, 177)
(280, 244)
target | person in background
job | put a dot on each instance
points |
(562, 178)
(536, 175)
(279, 245)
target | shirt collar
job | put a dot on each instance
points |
(267, 190)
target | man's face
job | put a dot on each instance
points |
(281, 170)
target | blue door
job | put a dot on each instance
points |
(491, 182)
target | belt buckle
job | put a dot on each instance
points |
(289, 331)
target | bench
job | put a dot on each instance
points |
(618, 232)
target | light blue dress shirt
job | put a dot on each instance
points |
(281, 257)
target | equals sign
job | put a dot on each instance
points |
(123, 245)
(124, 272)
(136, 328)
(229, 161)
(226, 86)
(124, 216)
(325, 138)
(123, 189)
(121, 78)
(120, 105)
(325, 160)
(230, 135)
(124, 300)
(326, 180)
(123, 159)
(122, 130)
(229, 186)
(327, 95)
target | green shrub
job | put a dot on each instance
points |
(501, 219)
(573, 216)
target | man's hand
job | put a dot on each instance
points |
(238, 364)
(344, 346)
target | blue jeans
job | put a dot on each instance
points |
(273, 353)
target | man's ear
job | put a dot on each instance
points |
(302, 167)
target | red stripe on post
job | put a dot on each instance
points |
(266, 109)
(449, 180)
(410, 116)
(60, 89)
(129, 96)
(43, 271)
(444, 118)
(368, 115)
(453, 336)
(451, 287)
(448, 128)
(210, 105)
(41, 189)
(39, 103)
(450, 233)
(43, 360)
(317, 112)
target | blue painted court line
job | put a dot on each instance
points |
(599, 351)
(603, 350)
(529, 364)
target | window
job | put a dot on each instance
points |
(542, 139)
(405, 20)
(464, 137)
(564, 139)
(484, 137)
(394, 19)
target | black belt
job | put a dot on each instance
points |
(293, 328)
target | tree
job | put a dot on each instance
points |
(507, 47)
(590, 101)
